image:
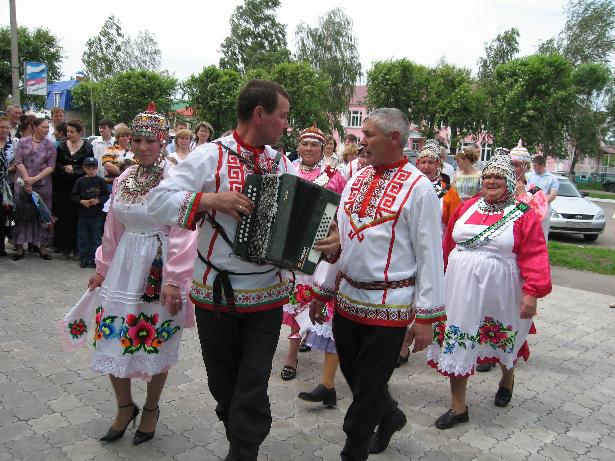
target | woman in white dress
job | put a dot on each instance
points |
(496, 267)
(144, 271)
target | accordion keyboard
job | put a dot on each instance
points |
(323, 231)
(243, 230)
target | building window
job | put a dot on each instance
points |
(56, 99)
(415, 145)
(485, 152)
(355, 119)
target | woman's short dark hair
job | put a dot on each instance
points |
(351, 137)
(258, 93)
(106, 122)
(38, 121)
(76, 124)
(331, 138)
(61, 128)
(209, 128)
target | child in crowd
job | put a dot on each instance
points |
(91, 192)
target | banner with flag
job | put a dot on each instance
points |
(35, 77)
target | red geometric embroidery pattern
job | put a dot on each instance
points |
(236, 174)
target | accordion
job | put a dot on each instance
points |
(290, 215)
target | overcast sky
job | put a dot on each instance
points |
(190, 32)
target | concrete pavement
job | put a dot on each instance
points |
(52, 407)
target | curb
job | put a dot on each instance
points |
(601, 200)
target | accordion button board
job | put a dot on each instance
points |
(290, 215)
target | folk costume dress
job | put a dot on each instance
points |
(213, 168)
(485, 281)
(133, 338)
(321, 336)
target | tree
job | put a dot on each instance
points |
(589, 33)
(111, 51)
(212, 94)
(309, 98)
(37, 45)
(331, 49)
(455, 101)
(124, 95)
(534, 100)
(257, 39)
(498, 51)
(402, 84)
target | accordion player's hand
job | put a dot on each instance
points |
(316, 312)
(330, 245)
(233, 203)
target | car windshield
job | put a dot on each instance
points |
(567, 189)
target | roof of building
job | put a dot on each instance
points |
(55, 87)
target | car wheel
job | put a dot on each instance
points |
(611, 188)
(590, 237)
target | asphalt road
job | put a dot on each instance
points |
(606, 239)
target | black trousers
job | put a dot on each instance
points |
(367, 356)
(238, 350)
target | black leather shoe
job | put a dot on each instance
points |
(503, 396)
(320, 393)
(386, 429)
(484, 367)
(450, 419)
(289, 372)
(401, 360)
(113, 434)
(17, 256)
(141, 437)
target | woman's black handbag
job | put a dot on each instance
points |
(25, 209)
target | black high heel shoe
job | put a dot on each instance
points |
(113, 434)
(141, 437)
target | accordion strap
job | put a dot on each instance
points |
(222, 282)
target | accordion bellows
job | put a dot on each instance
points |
(290, 215)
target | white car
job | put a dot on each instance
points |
(572, 213)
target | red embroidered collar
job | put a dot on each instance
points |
(245, 145)
(390, 166)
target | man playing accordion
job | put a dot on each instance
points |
(239, 303)
(389, 273)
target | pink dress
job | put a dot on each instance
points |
(133, 338)
(333, 180)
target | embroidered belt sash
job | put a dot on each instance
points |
(496, 228)
(375, 285)
(222, 282)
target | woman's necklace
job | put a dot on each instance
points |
(139, 182)
(304, 167)
(494, 208)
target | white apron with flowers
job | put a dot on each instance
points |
(483, 296)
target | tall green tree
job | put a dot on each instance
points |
(498, 51)
(331, 49)
(534, 101)
(589, 33)
(402, 84)
(256, 40)
(212, 94)
(38, 45)
(124, 95)
(455, 101)
(309, 98)
(112, 51)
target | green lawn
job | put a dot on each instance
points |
(581, 257)
(596, 194)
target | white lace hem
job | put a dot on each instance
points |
(140, 365)
(449, 366)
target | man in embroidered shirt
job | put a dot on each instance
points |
(238, 329)
(390, 271)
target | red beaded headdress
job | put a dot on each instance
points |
(150, 124)
(312, 133)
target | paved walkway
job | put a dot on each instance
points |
(52, 407)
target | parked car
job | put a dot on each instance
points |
(609, 185)
(572, 213)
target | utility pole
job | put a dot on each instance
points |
(14, 55)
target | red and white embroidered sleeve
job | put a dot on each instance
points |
(188, 214)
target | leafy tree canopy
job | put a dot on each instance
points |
(112, 51)
(331, 49)
(498, 51)
(257, 39)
